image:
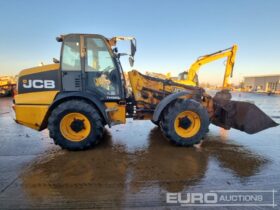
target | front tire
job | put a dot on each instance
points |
(185, 122)
(75, 125)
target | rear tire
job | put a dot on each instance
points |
(75, 125)
(185, 122)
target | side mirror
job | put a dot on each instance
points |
(131, 61)
(133, 47)
(55, 60)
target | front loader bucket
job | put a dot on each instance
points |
(241, 115)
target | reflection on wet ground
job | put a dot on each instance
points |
(110, 172)
(134, 166)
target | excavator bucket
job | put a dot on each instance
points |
(240, 115)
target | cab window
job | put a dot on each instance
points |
(71, 59)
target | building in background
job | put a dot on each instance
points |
(262, 83)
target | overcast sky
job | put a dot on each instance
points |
(170, 34)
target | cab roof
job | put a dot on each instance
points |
(61, 37)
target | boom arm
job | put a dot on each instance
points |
(229, 53)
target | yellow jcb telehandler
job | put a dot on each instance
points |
(85, 90)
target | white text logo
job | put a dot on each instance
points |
(37, 83)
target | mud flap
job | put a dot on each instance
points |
(242, 116)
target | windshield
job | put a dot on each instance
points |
(98, 56)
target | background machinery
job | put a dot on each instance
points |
(190, 77)
(86, 90)
(7, 85)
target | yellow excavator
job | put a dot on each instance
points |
(190, 77)
(85, 90)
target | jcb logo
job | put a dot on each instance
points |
(37, 83)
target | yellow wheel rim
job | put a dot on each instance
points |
(75, 127)
(187, 124)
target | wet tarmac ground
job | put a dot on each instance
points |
(134, 166)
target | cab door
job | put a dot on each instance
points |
(102, 75)
(71, 65)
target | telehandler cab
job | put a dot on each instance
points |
(86, 90)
